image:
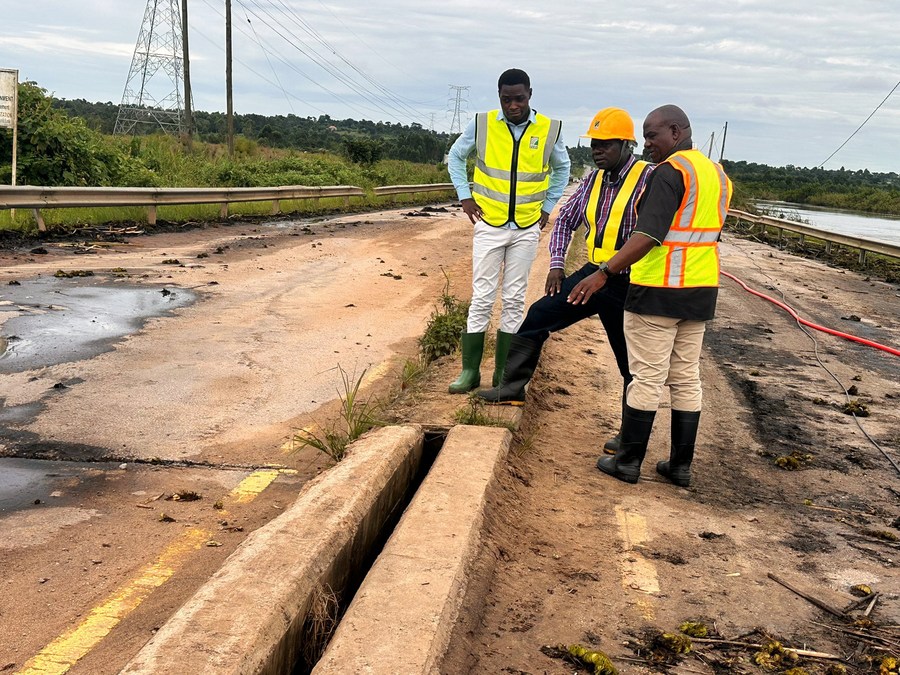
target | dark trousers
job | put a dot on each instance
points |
(552, 313)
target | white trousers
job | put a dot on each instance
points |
(494, 248)
(664, 352)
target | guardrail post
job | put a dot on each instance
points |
(827, 247)
(151, 215)
(42, 226)
(276, 207)
(223, 210)
(780, 234)
(347, 202)
(862, 256)
(802, 239)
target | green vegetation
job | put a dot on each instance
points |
(832, 188)
(410, 143)
(477, 413)
(446, 325)
(58, 150)
(357, 417)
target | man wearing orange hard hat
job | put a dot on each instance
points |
(605, 204)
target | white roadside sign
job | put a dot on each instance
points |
(9, 85)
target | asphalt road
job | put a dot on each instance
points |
(147, 411)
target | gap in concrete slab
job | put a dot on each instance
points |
(313, 641)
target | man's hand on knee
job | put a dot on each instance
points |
(554, 282)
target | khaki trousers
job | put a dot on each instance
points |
(663, 351)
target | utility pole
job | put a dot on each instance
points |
(188, 113)
(229, 115)
(153, 91)
(724, 134)
(459, 111)
(712, 140)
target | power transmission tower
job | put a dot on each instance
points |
(458, 103)
(153, 90)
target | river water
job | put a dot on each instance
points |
(879, 227)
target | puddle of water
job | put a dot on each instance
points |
(69, 320)
(22, 481)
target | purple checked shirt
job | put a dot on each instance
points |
(571, 214)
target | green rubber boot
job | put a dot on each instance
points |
(501, 352)
(472, 346)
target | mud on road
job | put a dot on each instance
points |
(785, 484)
(155, 367)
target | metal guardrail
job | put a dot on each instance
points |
(408, 189)
(36, 198)
(830, 238)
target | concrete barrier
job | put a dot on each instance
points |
(402, 616)
(249, 617)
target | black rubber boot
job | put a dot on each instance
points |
(472, 345)
(613, 445)
(636, 428)
(501, 351)
(521, 361)
(684, 436)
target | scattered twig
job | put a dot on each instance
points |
(818, 603)
(871, 540)
(875, 554)
(859, 602)
(750, 645)
(871, 606)
(876, 640)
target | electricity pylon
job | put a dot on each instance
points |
(459, 110)
(153, 90)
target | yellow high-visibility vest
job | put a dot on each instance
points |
(602, 249)
(689, 255)
(511, 177)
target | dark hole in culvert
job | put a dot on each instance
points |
(329, 605)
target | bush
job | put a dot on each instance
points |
(445, 327)
(57, 150)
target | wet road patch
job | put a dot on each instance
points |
(57, 321)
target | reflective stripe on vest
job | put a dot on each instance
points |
(602, 251)
(511, 177)
(689, 255)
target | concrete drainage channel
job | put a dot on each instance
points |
(422, 493)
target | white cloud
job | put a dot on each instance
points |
(793, 78)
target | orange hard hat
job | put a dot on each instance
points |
(611, 124)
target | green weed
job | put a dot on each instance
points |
(357, 417)
(413, 369)
(446, 325)
(476, 413)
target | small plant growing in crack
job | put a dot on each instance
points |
(357, 417)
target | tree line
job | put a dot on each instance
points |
(361, 140)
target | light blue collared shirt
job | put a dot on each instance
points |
(465, 145)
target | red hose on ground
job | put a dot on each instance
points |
(830, 331)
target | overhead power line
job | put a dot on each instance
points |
(289, 64)
(861, 125)
(376, 95)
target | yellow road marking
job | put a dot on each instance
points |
(252, 485)
(375, 372)
(638, 573)
(61, 654)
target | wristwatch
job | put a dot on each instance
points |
(603, 267)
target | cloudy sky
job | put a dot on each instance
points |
(793, 79)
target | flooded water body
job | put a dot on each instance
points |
(876, 227)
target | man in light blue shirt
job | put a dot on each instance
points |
(518, 180)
